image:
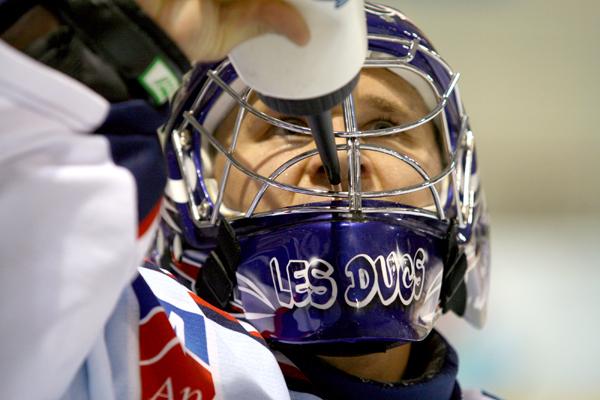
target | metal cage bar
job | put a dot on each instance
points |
(353, 147)
(354, 166)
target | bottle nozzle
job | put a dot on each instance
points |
(321, 128)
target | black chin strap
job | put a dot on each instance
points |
(216, 279)
(454, 292)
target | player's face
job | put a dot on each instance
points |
(382, 99)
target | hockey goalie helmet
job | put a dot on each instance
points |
(251, 224)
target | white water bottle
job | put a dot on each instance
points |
(310, 80)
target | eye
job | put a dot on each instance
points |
(289, 136)
(291, 120)
(379, 124)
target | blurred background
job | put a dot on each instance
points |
(530, 84)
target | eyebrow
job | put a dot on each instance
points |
(365, 105)
(384, 105)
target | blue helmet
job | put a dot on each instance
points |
(342, 266)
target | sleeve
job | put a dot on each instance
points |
(72, 236)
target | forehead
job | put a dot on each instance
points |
(380, 93)
(385, 91)
(378, 88)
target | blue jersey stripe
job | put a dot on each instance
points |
(130, 128)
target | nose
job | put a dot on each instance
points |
(315, 172)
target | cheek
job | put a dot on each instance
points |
(420, 145)
(429, 158)
(263, 159)
(398, 175)
(392, 173)
(237, 190)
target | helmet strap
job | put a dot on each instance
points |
(216, 279)
(453, 293)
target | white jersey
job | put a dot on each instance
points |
(74, 324)
(59, 278)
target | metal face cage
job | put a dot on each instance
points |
(186, 135)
